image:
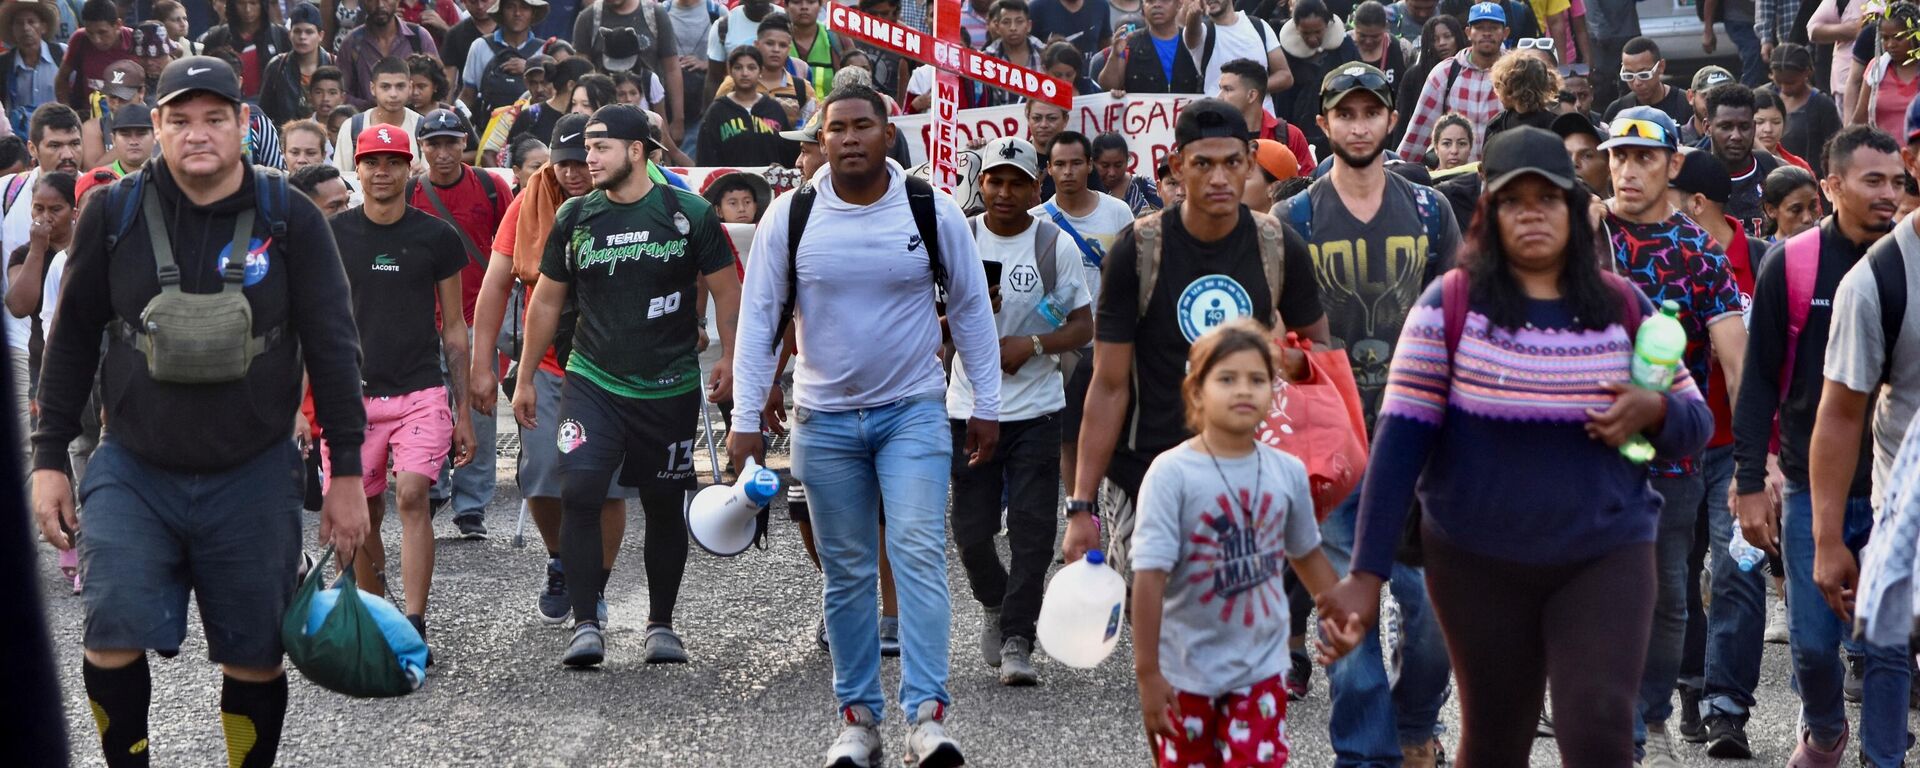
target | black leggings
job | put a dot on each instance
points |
(665, 551)
(1512, 627)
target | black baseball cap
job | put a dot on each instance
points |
(440, 122)
(569, 139)
(619, 48)
(132, 115)
(540, 63)
(622, 122)
(1209, 118)
(1703, 174)
(1517, 152)
(199, 73)
(1792, 56)
(1575, 123)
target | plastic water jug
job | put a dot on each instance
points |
(1657, 352)
(1081, 614)
(401, 636)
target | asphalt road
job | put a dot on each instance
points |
(757, 693)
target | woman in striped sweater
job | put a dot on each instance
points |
(1507, 402)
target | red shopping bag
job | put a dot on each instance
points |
(1318, 421)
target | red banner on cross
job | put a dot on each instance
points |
(949, 56)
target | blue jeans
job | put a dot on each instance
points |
(849, 462)
(1679, 512)
(1753, 70)
(471, 486)
(1815, 634)
(1372, 716)
(1738, 613)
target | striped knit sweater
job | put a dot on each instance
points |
(1494, 440)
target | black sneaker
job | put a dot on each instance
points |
(1726, 738)
(1691, 730)
(1856, 678)
(472, 526)
(555, 606)
(1299, 676)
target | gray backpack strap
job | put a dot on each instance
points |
(162, 242)
(1046, 238)
(1146, 241)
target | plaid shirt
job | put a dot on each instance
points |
(1773, 20)
(1472, 97)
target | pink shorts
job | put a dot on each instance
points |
(414, 431)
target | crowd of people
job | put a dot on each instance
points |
(451, 210)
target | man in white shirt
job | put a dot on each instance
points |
(1223, 34)
(1044, 311)
(389, 108)
(871, 417)
(53, 138)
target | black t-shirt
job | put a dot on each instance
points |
(1201, 285)
(536, 120)
(1674, 104)
(734, 135)
(1744, 203)
(1083, 27)
(460, 37)
(395, 271)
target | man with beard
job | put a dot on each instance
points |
(53, 139)
(628, 255)
(383, 36)
(1670, 258)
(1462, 84)
(1730, 131)
(1356, 216)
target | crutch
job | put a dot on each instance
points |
(706, 427)
(520, 528)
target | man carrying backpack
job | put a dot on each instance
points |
(384, 36)
(496, 64)
(659, 50)
(215, 286)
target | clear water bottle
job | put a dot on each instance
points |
(1745, 555)
(1657, 352)
(1081, 614)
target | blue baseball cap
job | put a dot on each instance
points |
(1913, 121)
(1487, 12)
(1642, 127)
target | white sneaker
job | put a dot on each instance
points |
(927, 742)
(1777, 625)
(1660, 749)
(859, 743)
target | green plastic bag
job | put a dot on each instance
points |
(349, 653)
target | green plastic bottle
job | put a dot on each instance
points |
(1657, 353)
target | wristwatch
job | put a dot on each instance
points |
(1038, 348)
(1077, 506)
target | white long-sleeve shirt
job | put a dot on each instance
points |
(864, 313)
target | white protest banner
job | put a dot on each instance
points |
(1145, 119)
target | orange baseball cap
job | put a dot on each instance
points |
(1276, 159)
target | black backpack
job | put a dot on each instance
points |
(498, 87)
(919, 201)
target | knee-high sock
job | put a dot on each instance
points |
(118, 698)
(666, 552)
(251, 715)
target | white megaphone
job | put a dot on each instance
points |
(723, 519)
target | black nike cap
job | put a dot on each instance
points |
(569, 139)
(199, 73)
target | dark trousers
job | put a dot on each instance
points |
(1027, 468)
(1513, 627)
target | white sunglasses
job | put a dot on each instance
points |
(1539, 43)
(1632, 76)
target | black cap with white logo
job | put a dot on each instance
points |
(569, 139)
(199, 73)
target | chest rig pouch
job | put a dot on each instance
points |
(196, 338)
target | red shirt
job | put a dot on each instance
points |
(1740, 262)
(509, 227)
(90, 65)
(1295, 140)
(475, 215)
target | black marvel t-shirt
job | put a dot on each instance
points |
(395, 271)
(1744, 202)
(1201, 285)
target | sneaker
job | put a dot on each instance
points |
(927, 742)
(1544, 729)
(1777, 627)
(1726, 739)
(1016, 663)
(664, 647)
(588, 648)
(890, 636)
(600, 609)
(990, 640)
(1421, 755)
(1856, 678)
(1660, 749)
(555, 606)
(472, 526)
(1807, 755)
(820, 632)
(1691, 730)
(859, 743)
(1299, 676)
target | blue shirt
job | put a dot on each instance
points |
(32, 86)
(1167, 49)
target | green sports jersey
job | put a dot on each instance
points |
(631, 269)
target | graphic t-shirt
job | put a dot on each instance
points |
(632, 269)
(1098, 229)
(1220, 532)
(733, 135)
(1744, 203)
(1201, 285)
(1372, 272)
(1675, 260)
(89, 65)
(1025, 310)
(395, 270)
(472, 212)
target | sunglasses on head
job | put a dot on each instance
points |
(1575, 70)
(1369, 80)
(1637, 128)
(1629, 77)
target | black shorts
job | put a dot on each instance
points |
(1078, 380)
(649, 442)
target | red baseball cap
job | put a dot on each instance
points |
(382, 139)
